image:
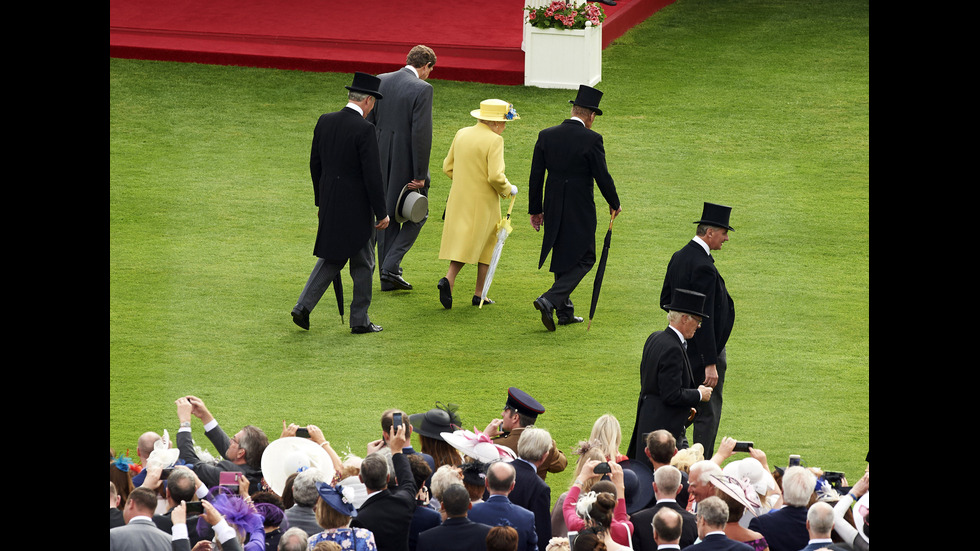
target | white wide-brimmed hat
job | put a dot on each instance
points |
(291, 454)
(478, 446)
(750, 469)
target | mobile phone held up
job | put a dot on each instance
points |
(396, 420)
(195, 508)
(302, 432)
(743, 446)
(230, 478)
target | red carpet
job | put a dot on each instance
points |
(474, 41)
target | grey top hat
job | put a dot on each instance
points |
(715, 215)
(411, 205)
(366, 84)
(689, 302)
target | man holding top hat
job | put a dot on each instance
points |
(693, 267)
(573, 156)
(347, 186)
(668, 390)
(520, 412)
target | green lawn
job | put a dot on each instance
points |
(758, 104)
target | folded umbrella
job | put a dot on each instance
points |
(600, 271)
(502, 230)
(338, 289)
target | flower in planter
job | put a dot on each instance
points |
(564, 15)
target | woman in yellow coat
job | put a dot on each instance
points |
(475, 164)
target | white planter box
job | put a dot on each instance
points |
(562, 58)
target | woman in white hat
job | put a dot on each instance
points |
(475, 164)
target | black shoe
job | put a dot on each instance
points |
(445, 294)
(476, 300)
(395, 281)
(302, 318)
(569, 320)
(369, 328)
(546, 309)
(608, 2)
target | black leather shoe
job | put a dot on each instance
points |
(569, 321)
(396, 282)
(546, 309)
(369, 328)
(608, 2)
(445, 294)
(476, 300)
(302, 318)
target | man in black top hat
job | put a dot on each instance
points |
(346, 171)
(693, 267)
(520, 412)
(573, 156)
(668, 390)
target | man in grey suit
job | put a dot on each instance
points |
(404, 122)
(139, 533)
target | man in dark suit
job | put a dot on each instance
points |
(498, 510)
(667, 525)
(404, 122)
(573, 156)
(388, 512)
(242, 453)
(785, 528)
(182, 486)
(139, 533)
(820, 525)
(712, 518)
(530, 492)
(667, 388)
(661, 447)
(693, 268)
(666, 486)
(457, 531)
(347, 188)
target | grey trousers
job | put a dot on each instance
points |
(709, 415)
(361, 271)
(395, 241)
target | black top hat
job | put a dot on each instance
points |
(521, 402)
(716, 215)
(689, 302)
(588, 97)
(365, 83)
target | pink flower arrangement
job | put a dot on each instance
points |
(565, 15)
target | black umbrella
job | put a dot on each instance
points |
(338, 289)
(600, 270)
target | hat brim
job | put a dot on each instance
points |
(482, 451)
(644, 489)
(374, 93)
(502, 118)
(668, 308)
(592, 107)
(287, 455)
(715, 224)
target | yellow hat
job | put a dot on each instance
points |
(495, 110)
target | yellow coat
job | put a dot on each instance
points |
(475, 164)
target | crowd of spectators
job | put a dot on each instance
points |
(178, 496)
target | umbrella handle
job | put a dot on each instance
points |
(611, 218)
(511, 208)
